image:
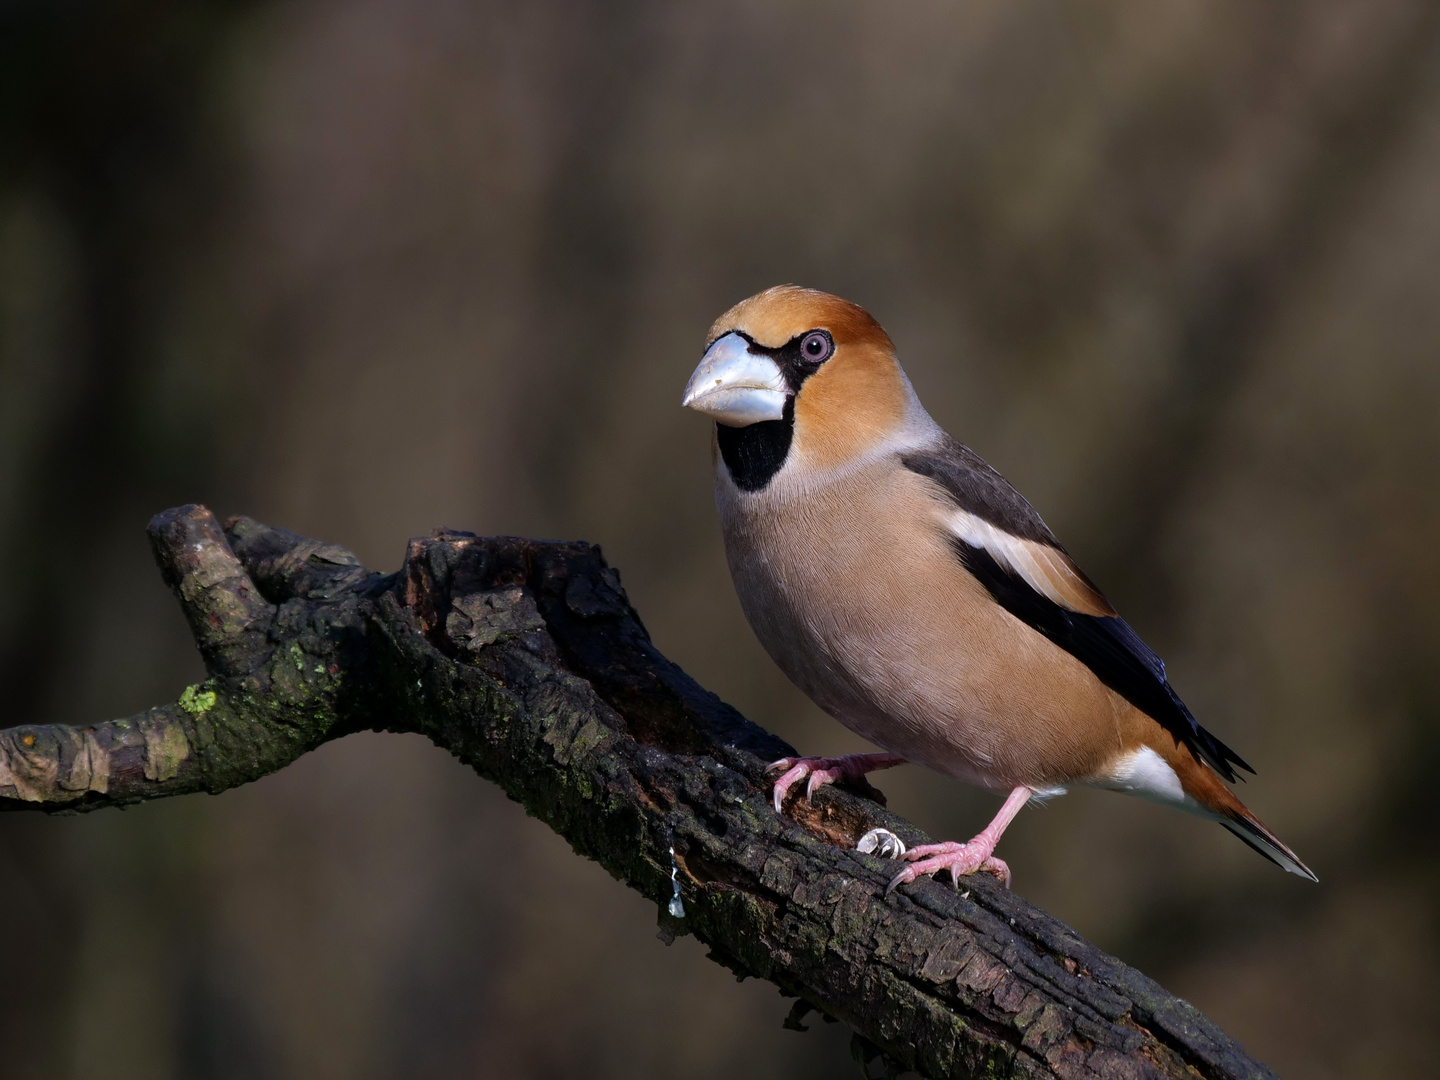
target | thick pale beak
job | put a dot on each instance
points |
(736, 386)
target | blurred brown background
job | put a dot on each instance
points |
(361, 269)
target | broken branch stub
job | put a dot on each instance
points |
(526, 661)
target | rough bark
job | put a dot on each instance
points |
(526, 661)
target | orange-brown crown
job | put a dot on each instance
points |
(775, 316)
(858, 396)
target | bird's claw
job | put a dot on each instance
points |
(959, 859)
(822, 770)
(794, 769)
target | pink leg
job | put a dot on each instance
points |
(826, 770)
(962, 859)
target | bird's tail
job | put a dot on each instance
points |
(1201, 783)
(1253, 831)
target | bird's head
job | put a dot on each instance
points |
(811, 378)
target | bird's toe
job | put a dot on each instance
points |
(819, 778)
(792, 775)
(960, 859)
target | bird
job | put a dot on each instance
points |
(914, 595)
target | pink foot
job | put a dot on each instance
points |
(959, 859)
(826, 770)
(967, 858)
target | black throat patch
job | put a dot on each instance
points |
(754, 454)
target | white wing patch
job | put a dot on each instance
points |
(1045, 569)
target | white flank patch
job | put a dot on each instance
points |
(1143, 772)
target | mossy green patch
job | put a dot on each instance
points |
(197, 702)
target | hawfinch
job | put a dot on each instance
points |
(916, 597)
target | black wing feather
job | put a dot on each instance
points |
(978, 489)
(1109, 648)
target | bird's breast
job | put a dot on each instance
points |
(856, 593)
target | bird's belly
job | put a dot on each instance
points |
(892, 637)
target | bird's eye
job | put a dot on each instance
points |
(816, 347)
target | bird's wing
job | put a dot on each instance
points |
(1003, 542)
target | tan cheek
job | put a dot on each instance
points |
(847, 407)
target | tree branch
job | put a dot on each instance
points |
(526, 661)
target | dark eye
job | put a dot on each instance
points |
(816, 346)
